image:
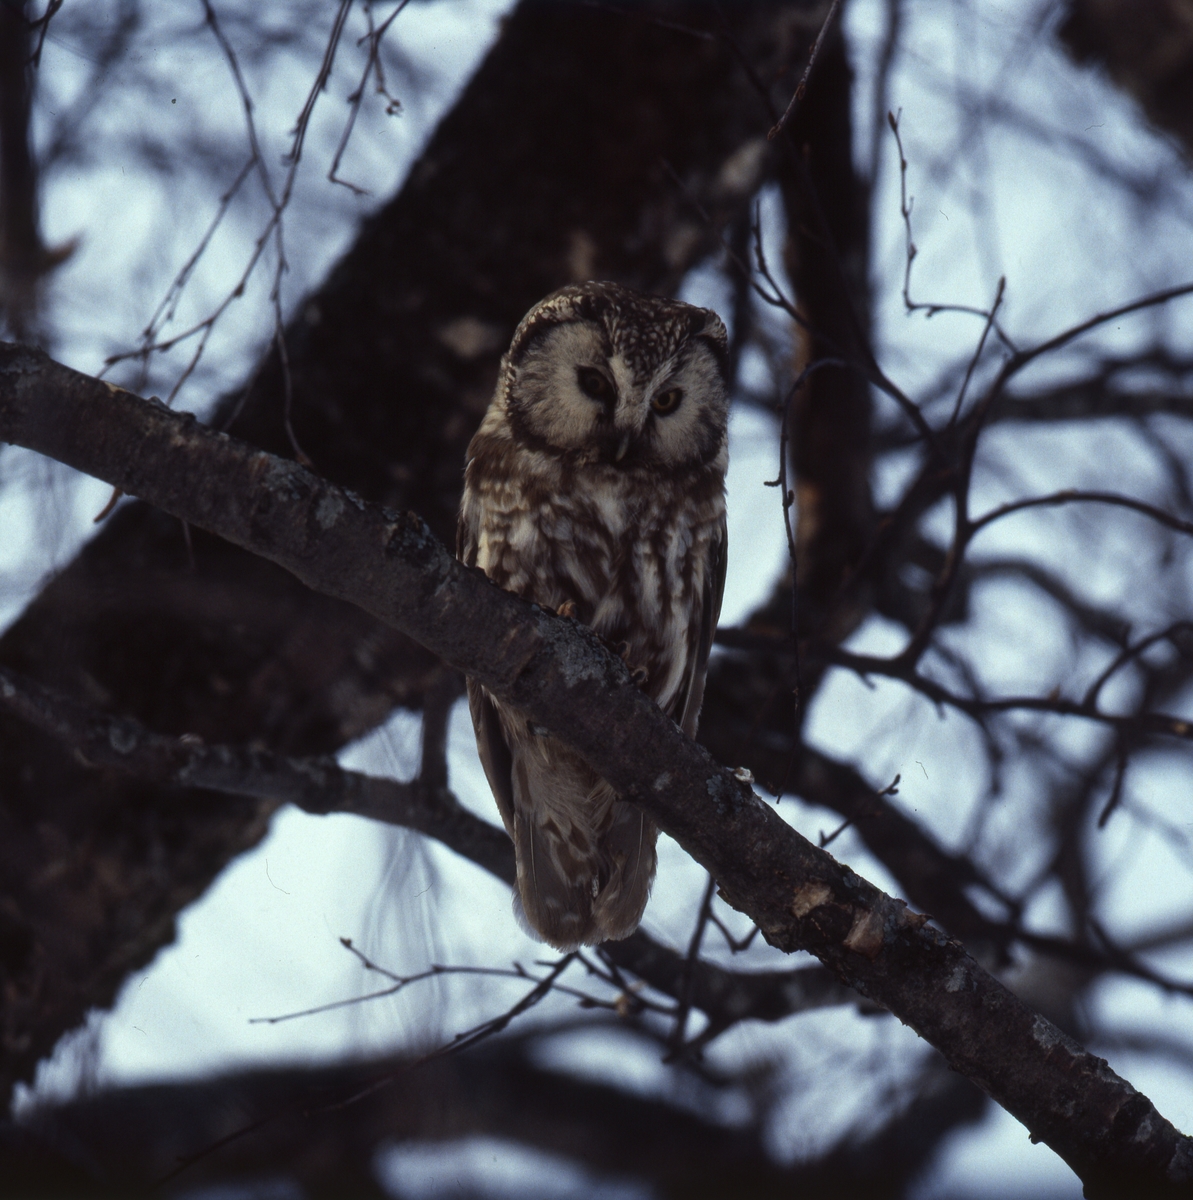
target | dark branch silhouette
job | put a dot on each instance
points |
(561, 676)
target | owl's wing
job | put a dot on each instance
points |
(466, 533)
(490, 741)
(710, 612)
(494, 751)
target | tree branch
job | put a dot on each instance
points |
(120, 1140)
(560, 675)
(321, 786)
(387, 368)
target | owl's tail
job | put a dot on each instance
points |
(628, 849)
(584, 866)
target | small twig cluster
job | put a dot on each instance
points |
(153, 338)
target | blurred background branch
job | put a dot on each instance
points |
(606, 141)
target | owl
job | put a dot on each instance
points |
(595, 487)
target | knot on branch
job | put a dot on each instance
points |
(861, 928)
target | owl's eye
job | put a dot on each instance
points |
(593, 383)
(667, 402)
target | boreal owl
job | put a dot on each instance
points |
(595, 487)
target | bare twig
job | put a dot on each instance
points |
(372, 66)
(559, 674)
(977, 354)
(684, 1008)
(1130, 652)
(1077, 496)
(273, 231)
(320, 786)
(168, 306)
(931, 309)
(321, 78)
(1152, 300)
(1116, 789)
(41, 26)
(736, 945)
(774, 296)
(789, 112)
(437, 971)
(899, 668)
(358, 1092)
(891, 789)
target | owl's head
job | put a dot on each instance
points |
(605, 374)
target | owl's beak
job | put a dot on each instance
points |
(629, 417)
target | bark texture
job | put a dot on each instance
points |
(562, 677)
(320, 786)
(548, 169)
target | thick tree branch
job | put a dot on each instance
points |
(320, 786)
(116, 1142)
(933, 879)
(122, 1141)
(1090, 399)
(391, 362)
(562, 676)
(22, 255)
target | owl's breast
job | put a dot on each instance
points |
(655, 596)
(631, 553)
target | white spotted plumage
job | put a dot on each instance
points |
(596, 482)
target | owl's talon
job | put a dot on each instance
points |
(566, 609)
(637, 674)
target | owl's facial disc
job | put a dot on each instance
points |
(684, 406)
(563, 389)
(576, 392)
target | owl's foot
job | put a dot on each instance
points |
(566, 609)
(638, 674)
